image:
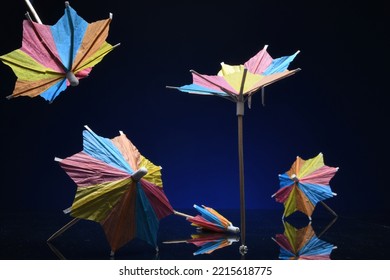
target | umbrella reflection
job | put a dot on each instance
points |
(303, 243)
(208, 242)
(55, 250)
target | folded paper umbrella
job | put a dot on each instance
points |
(53, 57)
(208, 242)
(238, 83)
(209, 220)
(305, 185)
(302, 244)
(116, 187)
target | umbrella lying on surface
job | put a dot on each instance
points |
(304, 185)
(302, 244)
(238, 83)
(116, 187)
(53, 57)
(209, 220)
(208, 242)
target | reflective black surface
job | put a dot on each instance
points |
(23, 236)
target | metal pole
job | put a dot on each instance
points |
(241, 171)
(240, 115)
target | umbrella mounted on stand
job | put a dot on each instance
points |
(238, 83)
(52, 57)
(116, 187)
(305, 185)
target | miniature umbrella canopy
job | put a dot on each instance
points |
(118, 188)
(210, 220)
(304, 185)
(53, 57)
(302, 244)
(238, 83)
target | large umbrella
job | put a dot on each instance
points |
(53, 57)
(116, 187)
(302, 244)
(305, 185)
(238, 83)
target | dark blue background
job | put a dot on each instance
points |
(336, 105)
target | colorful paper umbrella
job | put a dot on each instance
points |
(118, 188)
(208, 242)
(210, 220)
(304, 185)
(302, 244)
(53, 57)
(238, 83)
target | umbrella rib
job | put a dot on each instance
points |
(71, 46)
(209, 92)
(31, 88)
(253, 91)
(30, 6)
(290, 73)
(242, 84)
(76, 69)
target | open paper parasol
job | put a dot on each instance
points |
(116, 187)
(305, 185)
(52, 57)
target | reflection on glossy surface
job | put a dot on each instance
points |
(208, 242)
(302, 244)
(23, 236)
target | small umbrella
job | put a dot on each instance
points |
(302, 244)
(209, 220)
(304, 185)
(116, 187)
(53, 57)
(208, 242)
(238, 83)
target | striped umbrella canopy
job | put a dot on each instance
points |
(211, 220)
(118, 188)
(52, 57)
